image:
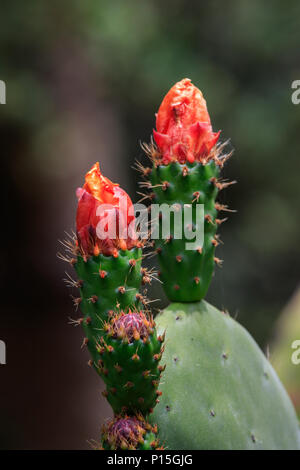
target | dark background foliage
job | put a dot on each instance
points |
(84, 80)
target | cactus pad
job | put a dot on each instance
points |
(219, 390)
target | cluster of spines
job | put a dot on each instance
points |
(129, 433)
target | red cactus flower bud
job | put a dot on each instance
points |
(105, 216)
(184, 132)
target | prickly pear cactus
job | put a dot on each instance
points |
(129, 433)
(219, 390)
(130, 352)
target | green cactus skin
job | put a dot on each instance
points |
(219, 390)
(106, 283)
(129, 433)
(186, 274)
(129, 364)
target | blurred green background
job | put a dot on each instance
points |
(84, 80)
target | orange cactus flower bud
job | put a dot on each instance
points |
(184, 131)
(100, 200)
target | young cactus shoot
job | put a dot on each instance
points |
(186, 162)
(107, 255)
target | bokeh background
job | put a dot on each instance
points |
(84, 80)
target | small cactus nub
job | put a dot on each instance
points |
(129, 433)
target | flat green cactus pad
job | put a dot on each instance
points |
(219, 390)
